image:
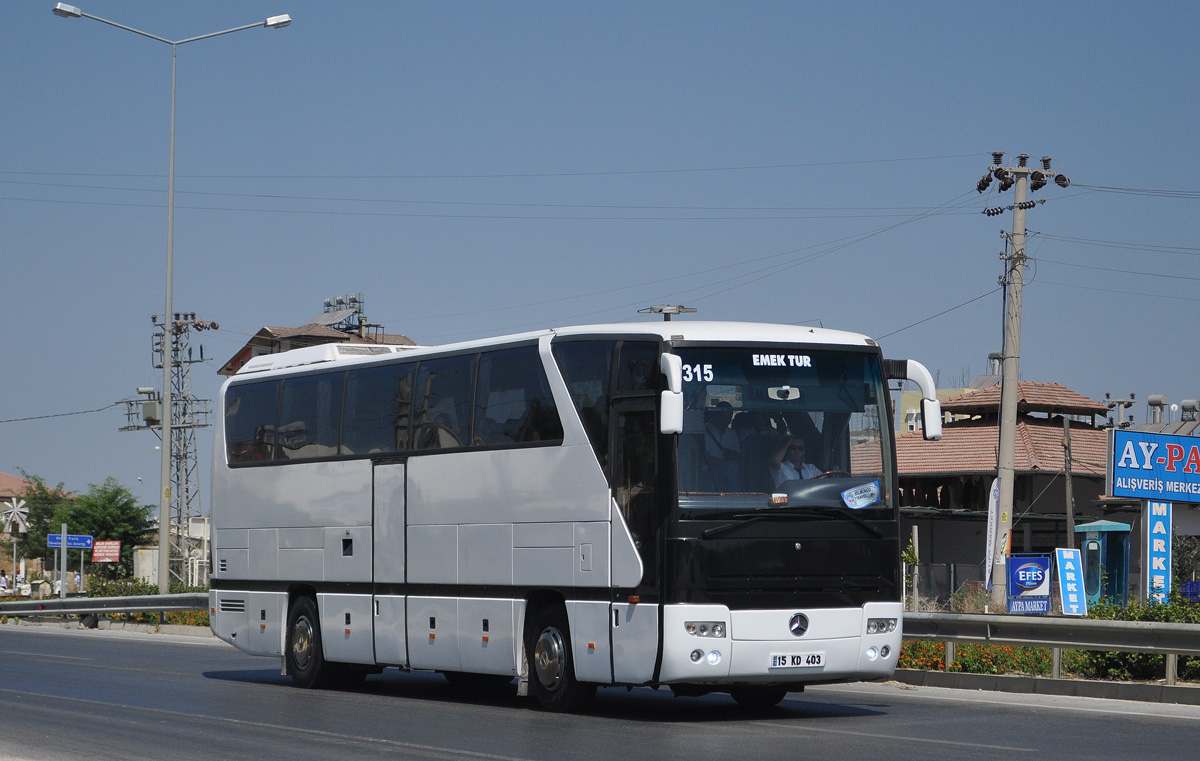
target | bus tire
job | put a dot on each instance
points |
(759, 698)
(305, 659)
(551, 663)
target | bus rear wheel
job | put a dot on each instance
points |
(305, 659)
(551, 663)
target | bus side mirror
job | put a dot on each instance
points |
(931, 419)
(670, 413)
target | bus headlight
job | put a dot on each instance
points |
(881, 625)
(705, 628)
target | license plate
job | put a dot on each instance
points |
(798, 661)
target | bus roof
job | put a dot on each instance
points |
(677, 330)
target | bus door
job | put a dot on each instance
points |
(388, 514)
(634, 463)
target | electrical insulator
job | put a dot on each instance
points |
(1026, 205)
(1006, 183)
(1062, 181)
(994, 211)
(1023, 159)
(1046, 163)
(1001, 174)
(997, 157)
(983, 183)
(1037, 180)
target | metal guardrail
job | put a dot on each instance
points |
(89, 605)
(1056, 632)
(1036, 631)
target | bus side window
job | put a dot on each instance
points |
(586, 366)
(250, 421)
(513, 403)
(442, 414)
(377, 411)
(310, 416)
(637, 370)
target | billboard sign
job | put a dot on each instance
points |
(1070, 582)
(1155, 466)
(1158, 551)
(106, 551)
(1029, 584)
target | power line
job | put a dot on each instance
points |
(1190, 194)
(1122, 293)
(60, 414)
(426, 215)
(1153, 248)
(770, 270)
(939, 314)
(1112, 269)
(501, 204)
(516, 175)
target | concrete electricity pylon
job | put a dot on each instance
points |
(1026, 179)
(187, 560)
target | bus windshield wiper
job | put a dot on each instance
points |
(845, 512)
(743, 519)
(808, 512)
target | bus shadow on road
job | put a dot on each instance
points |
(620, 703)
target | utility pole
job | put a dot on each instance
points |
(185, 559)
(1026, 179)
(1070, 491)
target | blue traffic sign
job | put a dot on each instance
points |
(74, 541)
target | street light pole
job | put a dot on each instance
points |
(168, 411)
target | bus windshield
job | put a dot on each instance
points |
(794, 430)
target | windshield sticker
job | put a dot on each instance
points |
(782, 360)
(861, 496)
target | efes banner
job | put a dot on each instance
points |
(1155, 466)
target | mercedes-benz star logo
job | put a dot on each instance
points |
(798, 624)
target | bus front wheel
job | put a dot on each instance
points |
(552, 663)
(305, 660)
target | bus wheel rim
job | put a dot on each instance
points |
(549, 659)
(302, 643)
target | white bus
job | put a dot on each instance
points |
(583, 506)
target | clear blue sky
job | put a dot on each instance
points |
(488, 167)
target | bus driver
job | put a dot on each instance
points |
(787, 464)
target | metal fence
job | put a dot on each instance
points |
(90, 605)
(938, 582)
(1055, 632)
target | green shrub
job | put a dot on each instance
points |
(135, 587)
(1097, 664)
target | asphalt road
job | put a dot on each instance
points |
(72, 694)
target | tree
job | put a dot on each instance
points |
(1185, 556)
(109, 511)
(43, 503)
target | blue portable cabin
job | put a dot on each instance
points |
(1105, 550)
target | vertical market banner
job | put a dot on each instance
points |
(1158, 551)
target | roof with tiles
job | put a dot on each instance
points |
(12, 486)
(971, 448)
(1032, 396)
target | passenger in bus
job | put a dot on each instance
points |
(787, 464)
(756, 423)
(722, 449)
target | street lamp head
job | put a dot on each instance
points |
(275, 22)
(66, 11)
